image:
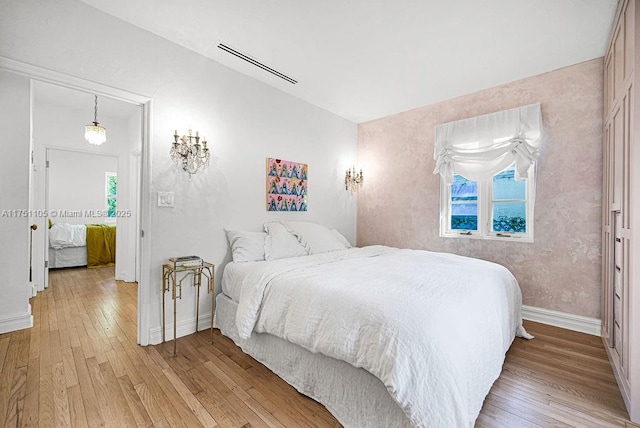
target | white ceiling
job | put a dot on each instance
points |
(365, 59)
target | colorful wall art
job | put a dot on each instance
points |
(286, 185)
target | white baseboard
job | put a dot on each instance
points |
(16, 322)
(562, 319)
(184, 328)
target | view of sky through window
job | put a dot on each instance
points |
(509, 206)
(464, 204)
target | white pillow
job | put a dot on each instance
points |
(340, 237)
(246, 246)
(316, 237)
(280, 243)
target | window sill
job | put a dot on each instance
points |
(512, 238)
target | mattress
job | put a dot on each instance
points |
(67, 257)
(353, 395)
(408, 317)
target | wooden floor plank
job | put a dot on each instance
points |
(149, 402)
(115, 394)
(134, 402)
(46, 414)
(150, 372)
(70, 371)
(223, 402)
(80, 366)
(4, 348)
(32, 394)
(196, 407)
(92, 410)
(60, 399)
(77, 413)
(105, 402)
(34, 333)
(15, 405)
(7, 376)
(180, 414)
(23, 349)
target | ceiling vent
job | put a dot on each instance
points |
(250, 60)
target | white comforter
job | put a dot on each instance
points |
(433, 327)
(64, 235)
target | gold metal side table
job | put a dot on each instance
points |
(172, 278)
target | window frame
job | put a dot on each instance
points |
(108, 196)
(485, 212)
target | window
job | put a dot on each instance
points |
(487, 173)
(111, 195)
(498, 208)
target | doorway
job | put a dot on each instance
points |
(70, 179)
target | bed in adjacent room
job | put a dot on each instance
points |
(73, 245)
(381, 336)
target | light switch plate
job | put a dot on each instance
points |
(165, 199)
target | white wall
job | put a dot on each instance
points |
(59, 124)
(77, 185)
(15, 312)
(244, 120)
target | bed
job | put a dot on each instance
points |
(381, 336)
(72, 245)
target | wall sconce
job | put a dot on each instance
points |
(186, 151)
(353, 180)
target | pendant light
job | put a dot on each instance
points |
(94, 133)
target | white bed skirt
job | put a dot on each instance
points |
(67, 257)
(353, 395)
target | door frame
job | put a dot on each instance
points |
(146, 102)
(135, 162)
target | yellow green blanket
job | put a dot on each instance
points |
(101, 245)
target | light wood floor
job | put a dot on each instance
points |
(80, 366)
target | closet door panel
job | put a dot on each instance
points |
(626, 159)
(628, 37)
(618, 61)
(608, 82)
(616, 157)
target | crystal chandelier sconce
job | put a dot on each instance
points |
(189, 153)
(353, 180)
(94, 133)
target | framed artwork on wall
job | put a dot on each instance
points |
(287, 185)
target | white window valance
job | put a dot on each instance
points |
(480, 147)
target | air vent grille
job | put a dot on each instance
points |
(256, 63)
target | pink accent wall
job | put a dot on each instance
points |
(399, 204)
